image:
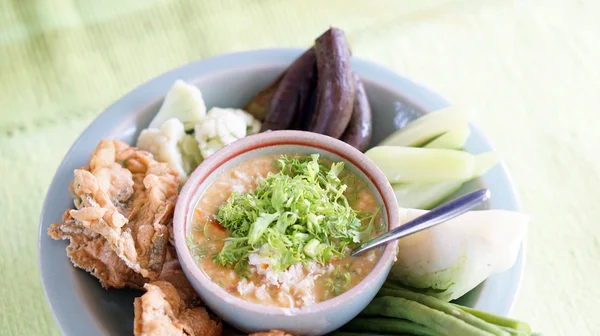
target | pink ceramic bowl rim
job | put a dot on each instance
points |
(279, 138)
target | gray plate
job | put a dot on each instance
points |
(78, 302)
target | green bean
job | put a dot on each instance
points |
(389, 326)
(390, 284)
(419, 313)
(445, 307)
(497, 319)
(342, 333)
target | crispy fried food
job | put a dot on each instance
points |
(124, 201)
(163, 310)
(271, 333)
(173, 273)
(92, 253)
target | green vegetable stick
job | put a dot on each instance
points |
(424, 195)
(419, 313)
(454, 139)
(390, 284)
(514, 327)
(397, 284)
(411, 165)
(514, 332)
(497, 319)
(342, 333)
(427, 127)
(388, 326)
(445, 307)
(427, 195)
(484, 162)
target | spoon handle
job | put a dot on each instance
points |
(434, 217)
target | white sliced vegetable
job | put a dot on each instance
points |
(428, 165)
(219, 128)
(252, 124)
(484, 162)
(190, 153)
(184, 102)
(427, 127)
(424, 195)
(163, 144)
(453, 139)
(452, 258)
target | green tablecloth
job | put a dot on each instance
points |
(529, 69)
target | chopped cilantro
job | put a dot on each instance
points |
(339, 283)
(298, 214)
(198, 250)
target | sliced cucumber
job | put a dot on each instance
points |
(426, 128)
(424, 196)
(425, 165)
(454, 139)
(484, 162)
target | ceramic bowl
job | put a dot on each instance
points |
(316, 319)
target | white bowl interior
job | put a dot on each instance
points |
(81, 306)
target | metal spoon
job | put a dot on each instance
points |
(434, 217)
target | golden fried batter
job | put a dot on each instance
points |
(124, 201)
(173, 273)
(92, 253)
(163, 310)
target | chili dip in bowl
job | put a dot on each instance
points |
(264, 228)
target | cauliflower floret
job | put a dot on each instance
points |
(182, 110)
(184, 102)
(219, 128)
(167, 145)
(162, 143)
(252, 124)
(190, 153)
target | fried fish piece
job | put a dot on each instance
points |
(163, 310)
(173, 274)
(94, 254)
(124, 201)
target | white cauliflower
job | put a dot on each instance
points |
(184, 102)
(222, 126)
(183, 110)
(252, 124)
(166, 145)
(190, 153)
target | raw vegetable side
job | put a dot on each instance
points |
(183, 133)
(398, 310)
(448, 260)
(319, 93)
(424, 162)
